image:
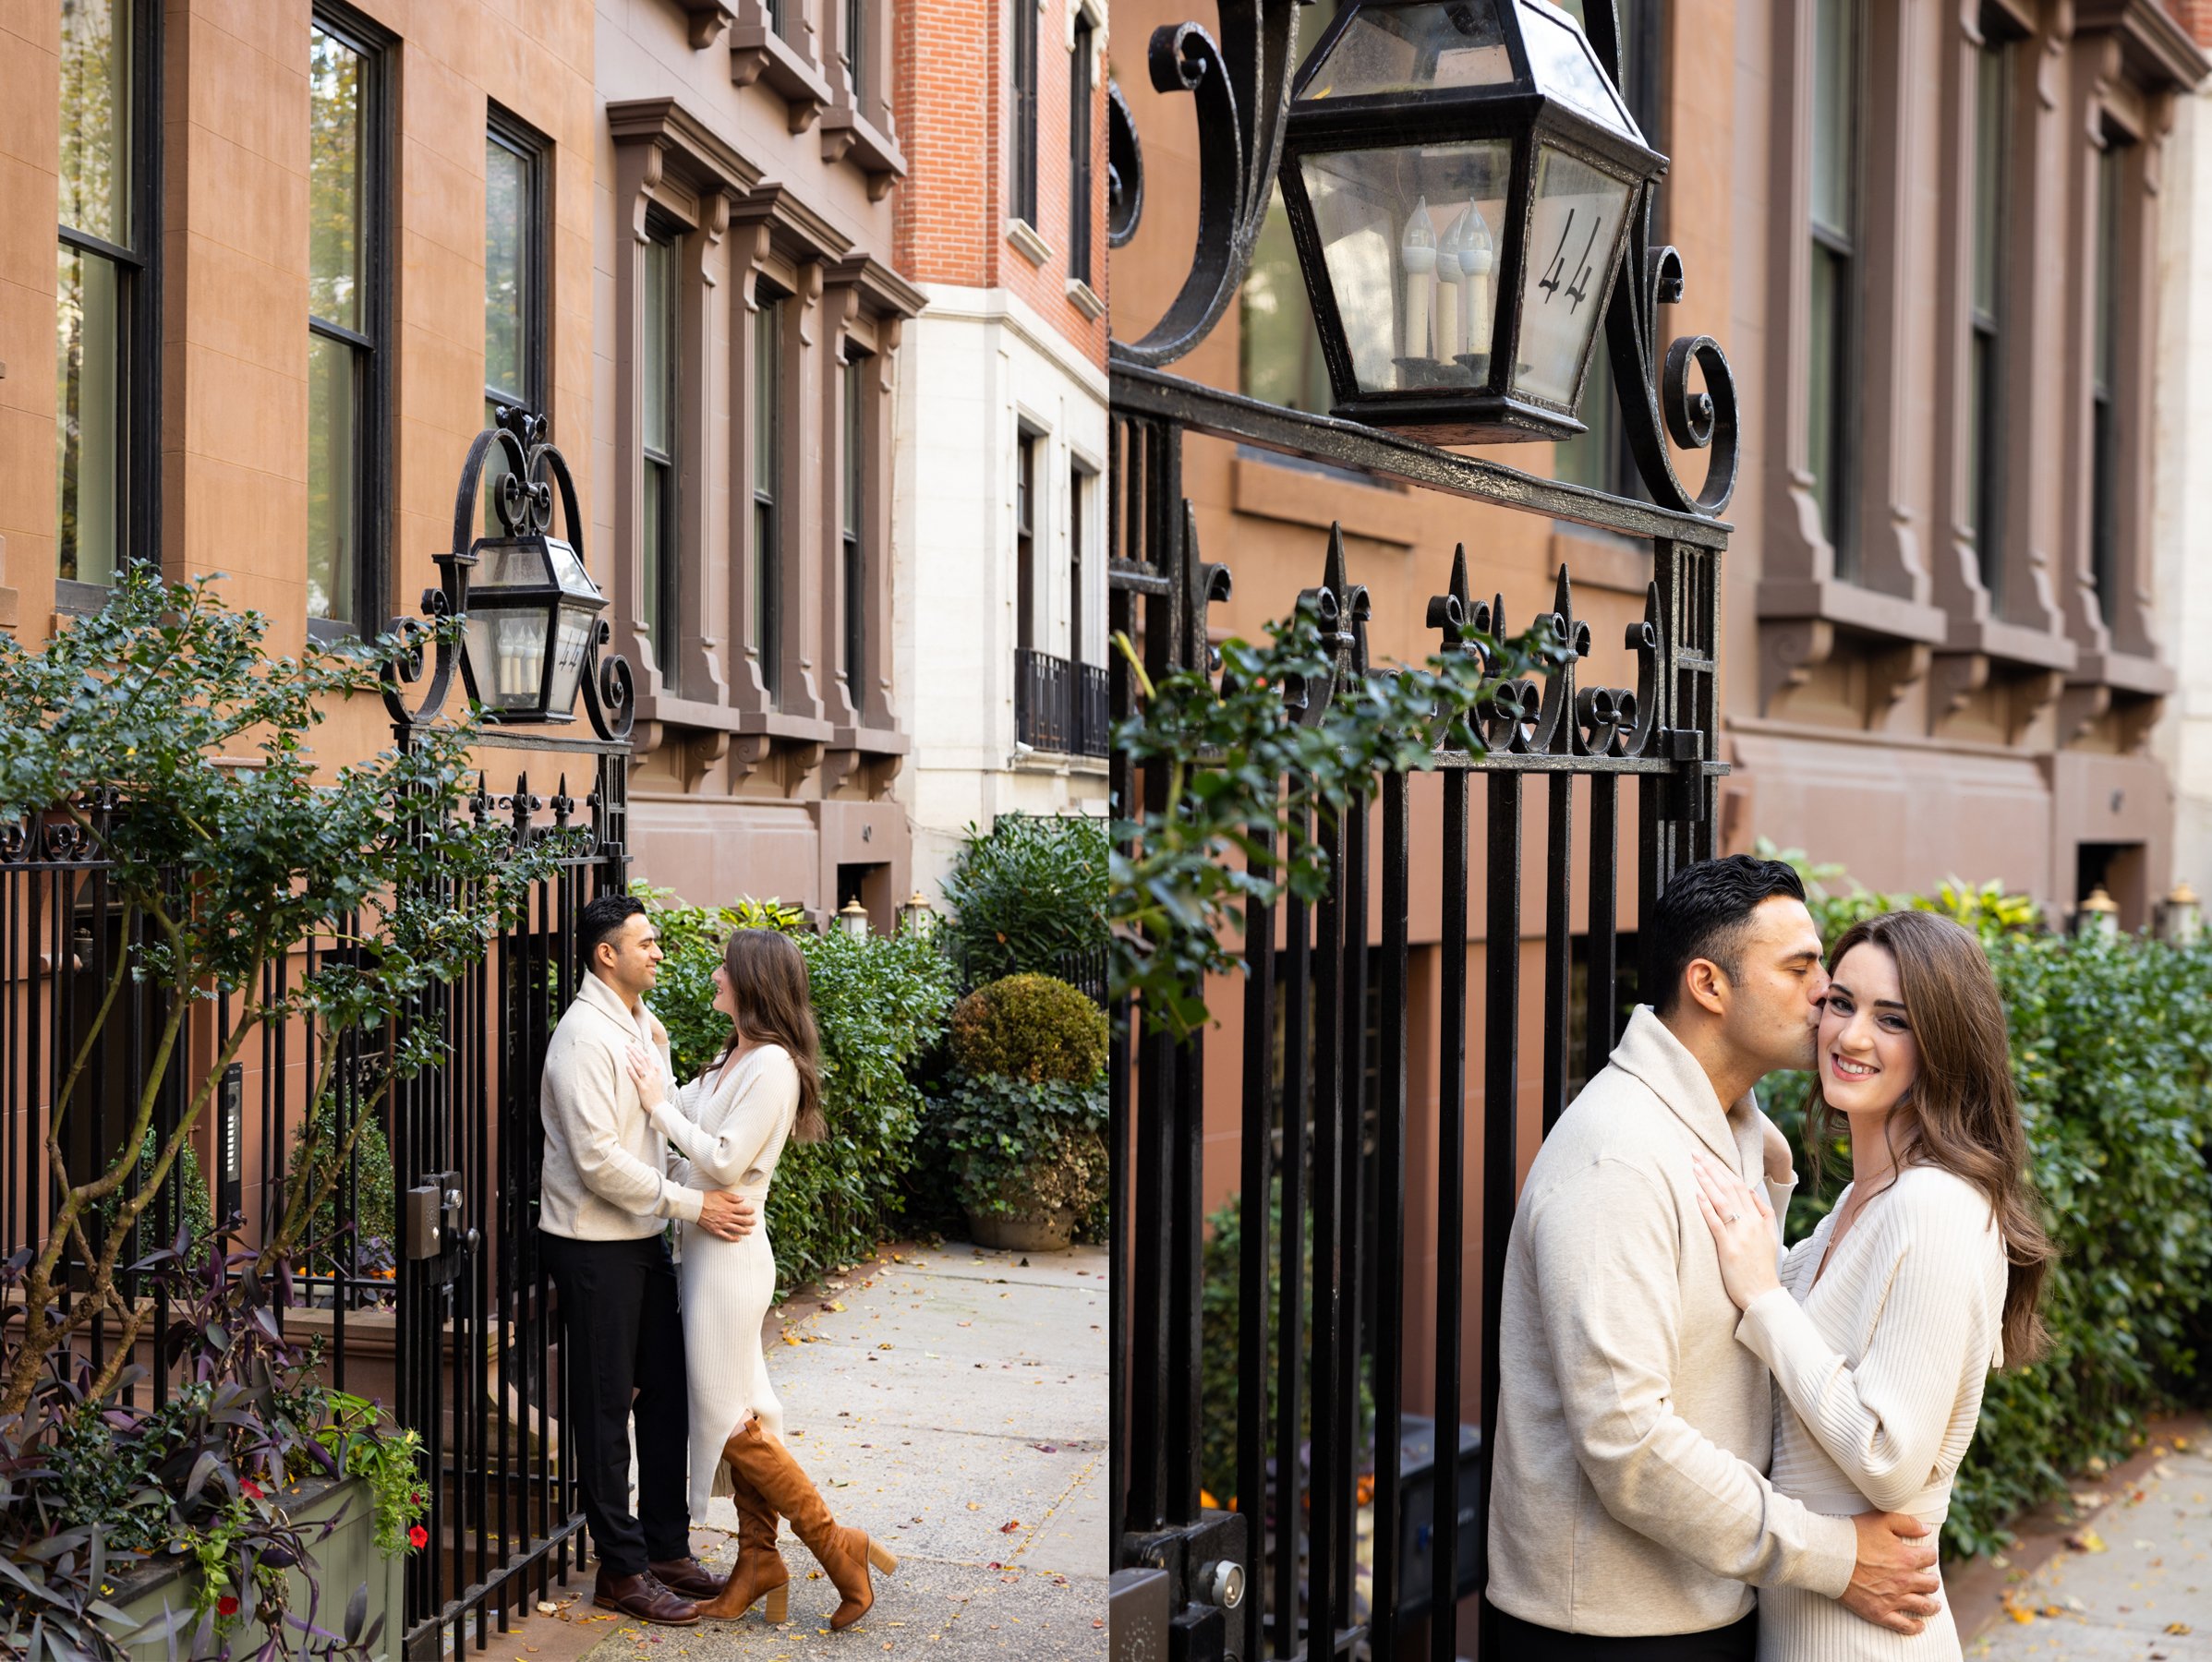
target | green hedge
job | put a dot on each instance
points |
(1028, 895)
(2112, 1059)
(881, 1004)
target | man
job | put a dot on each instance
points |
(1629, 1514)
(606, 1197)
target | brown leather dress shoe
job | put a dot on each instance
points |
(642, 1598)
(686, 1578)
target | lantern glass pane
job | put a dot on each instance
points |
(1574, 238)
(1566, 68)
(1409, 237)
(568, 571)
(507, 651)
(570, 647)
(511, 565)
(1409, 48)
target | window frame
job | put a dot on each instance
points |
(660, 561)
(1985, 378)
(767, 528)
(373, 405)
(854, 504)
(511, 132)
(1082, 147)
(1835, 476)
(1028, 441)
(2107, 374)
(139, 326)
(1022, 86)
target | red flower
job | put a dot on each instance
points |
(418, 1536)
(415, 1498)
(226, 1606)
(251, 1487)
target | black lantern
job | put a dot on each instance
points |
(532, 610)
(1458, 178)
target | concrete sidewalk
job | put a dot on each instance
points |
(951, 1401)
(2131, 1576)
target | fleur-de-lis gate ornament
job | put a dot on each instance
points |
(1331, 1006)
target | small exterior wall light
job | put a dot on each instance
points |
(917, 915)
(1458, 178)
(2181, 917)
(852, 916)
(2099, 915)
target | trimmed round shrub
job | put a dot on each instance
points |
(1029, 1027)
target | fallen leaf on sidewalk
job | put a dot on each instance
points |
(1010, 1526)
(833, 1304)
(1045, 1447)
(2177, 1628)
(883, 1347)
(2088, 1540)
(975, 1506)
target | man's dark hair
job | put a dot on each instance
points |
(1702, 915)
(600, 920)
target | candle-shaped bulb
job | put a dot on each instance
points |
(1417, 253)
(1447, 290)
(1476, 257)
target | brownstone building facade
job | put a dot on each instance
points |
(742, 472)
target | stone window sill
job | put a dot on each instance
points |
(847, 135)
(2125, 672)
(1032, 246)
(1084, 298)
(1846, 605)
(870, 741)
(758, 53)
(674, 711)
(2006, 643)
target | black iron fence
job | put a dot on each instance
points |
(1058, 705)
(464, 1344)
(1327, 1308)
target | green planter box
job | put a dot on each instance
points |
(345, 1559)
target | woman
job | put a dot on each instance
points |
(1881, 1326)
(730, 1124)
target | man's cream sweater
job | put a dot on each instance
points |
(1633, 1429)
(606, 1167)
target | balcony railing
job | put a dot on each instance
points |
(1058, 705)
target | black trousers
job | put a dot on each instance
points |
(1525, 1642)
(623, 1331)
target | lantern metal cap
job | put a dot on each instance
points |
(2101, 902)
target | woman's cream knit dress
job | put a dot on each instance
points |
(730, 1126)
(1880, 1365)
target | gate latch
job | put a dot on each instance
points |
(434, 1216)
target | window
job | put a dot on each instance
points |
(768, 483)
(106, 316)
(2104, 459)
(513, 281)
(1992, 77)
(346, 306)
(1076, 504)
(856, 51)
(1835, 105)
(1025, 542)
(856, 501)
(1079, 153)
(656, 604)
(1025, 110)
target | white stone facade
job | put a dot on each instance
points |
(2183, 502)
(978, 371)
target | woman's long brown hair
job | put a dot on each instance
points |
(768, 983)
(1960, 1113)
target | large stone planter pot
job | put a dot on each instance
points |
(1049, 1232)
(345, 1559)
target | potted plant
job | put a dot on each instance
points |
(253, 1509)
(1025, 1121)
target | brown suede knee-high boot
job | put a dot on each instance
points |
(760, 1572)
(845, 1554)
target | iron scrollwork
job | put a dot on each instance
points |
(1242, 87)
(522, 501)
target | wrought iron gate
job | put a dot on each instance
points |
(1319, 1326)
